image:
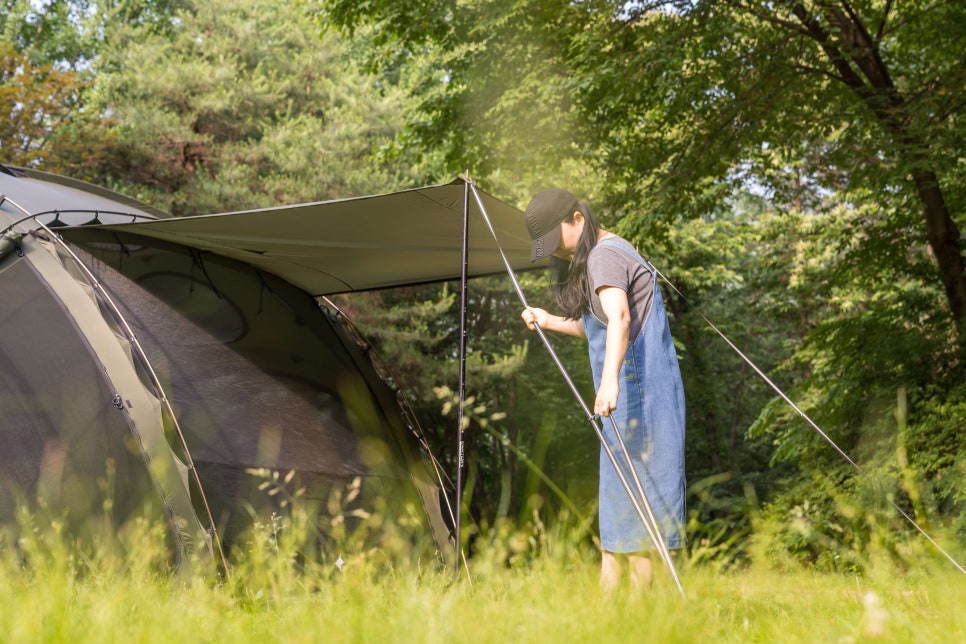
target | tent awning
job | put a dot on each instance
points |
(408, 237)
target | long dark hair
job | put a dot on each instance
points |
(569, 279)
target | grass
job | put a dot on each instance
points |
(53, 590)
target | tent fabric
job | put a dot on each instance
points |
(44, 192)
(52, 395)
(79, 430)
(407, 237)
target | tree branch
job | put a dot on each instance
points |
(882, 24)
(862, 49)
(769, 18)
(821, 36)
(912, 16)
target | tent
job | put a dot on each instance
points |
(169, 367)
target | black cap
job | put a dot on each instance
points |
(546, 210)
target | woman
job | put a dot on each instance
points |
(609, 294)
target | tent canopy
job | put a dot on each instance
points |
(408, 237)
(357, 244)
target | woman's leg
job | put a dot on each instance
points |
(612, 567)
(641, 571)
(610, 571)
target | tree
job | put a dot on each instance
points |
(241, 107)
(48, 33)
(39, 100)
(41, 88)
(48, 48)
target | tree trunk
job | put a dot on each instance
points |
(943, 236)
(854, 55)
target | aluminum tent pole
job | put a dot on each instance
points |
(647, 518)
(461, 419)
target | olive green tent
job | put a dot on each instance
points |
(167, 367)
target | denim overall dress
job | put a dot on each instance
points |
(650, 414)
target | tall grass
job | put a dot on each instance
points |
(522, 585)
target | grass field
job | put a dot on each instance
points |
(53, 591)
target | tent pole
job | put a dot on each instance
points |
(640, 504)
(461, 419)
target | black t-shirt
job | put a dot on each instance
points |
(620, 267)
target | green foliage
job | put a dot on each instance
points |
(39, 101)
(932, 455)
(488, 87)
(525, 585)
(540, 455)
(245, 107)
(68, 33)
(416, 329)
(672, 104)
(48, 32)
(837, 519)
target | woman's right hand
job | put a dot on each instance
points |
(535, 317)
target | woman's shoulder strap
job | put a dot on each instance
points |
(620, 243)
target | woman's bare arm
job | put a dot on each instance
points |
(534, 316)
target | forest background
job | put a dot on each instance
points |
(795, 168)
